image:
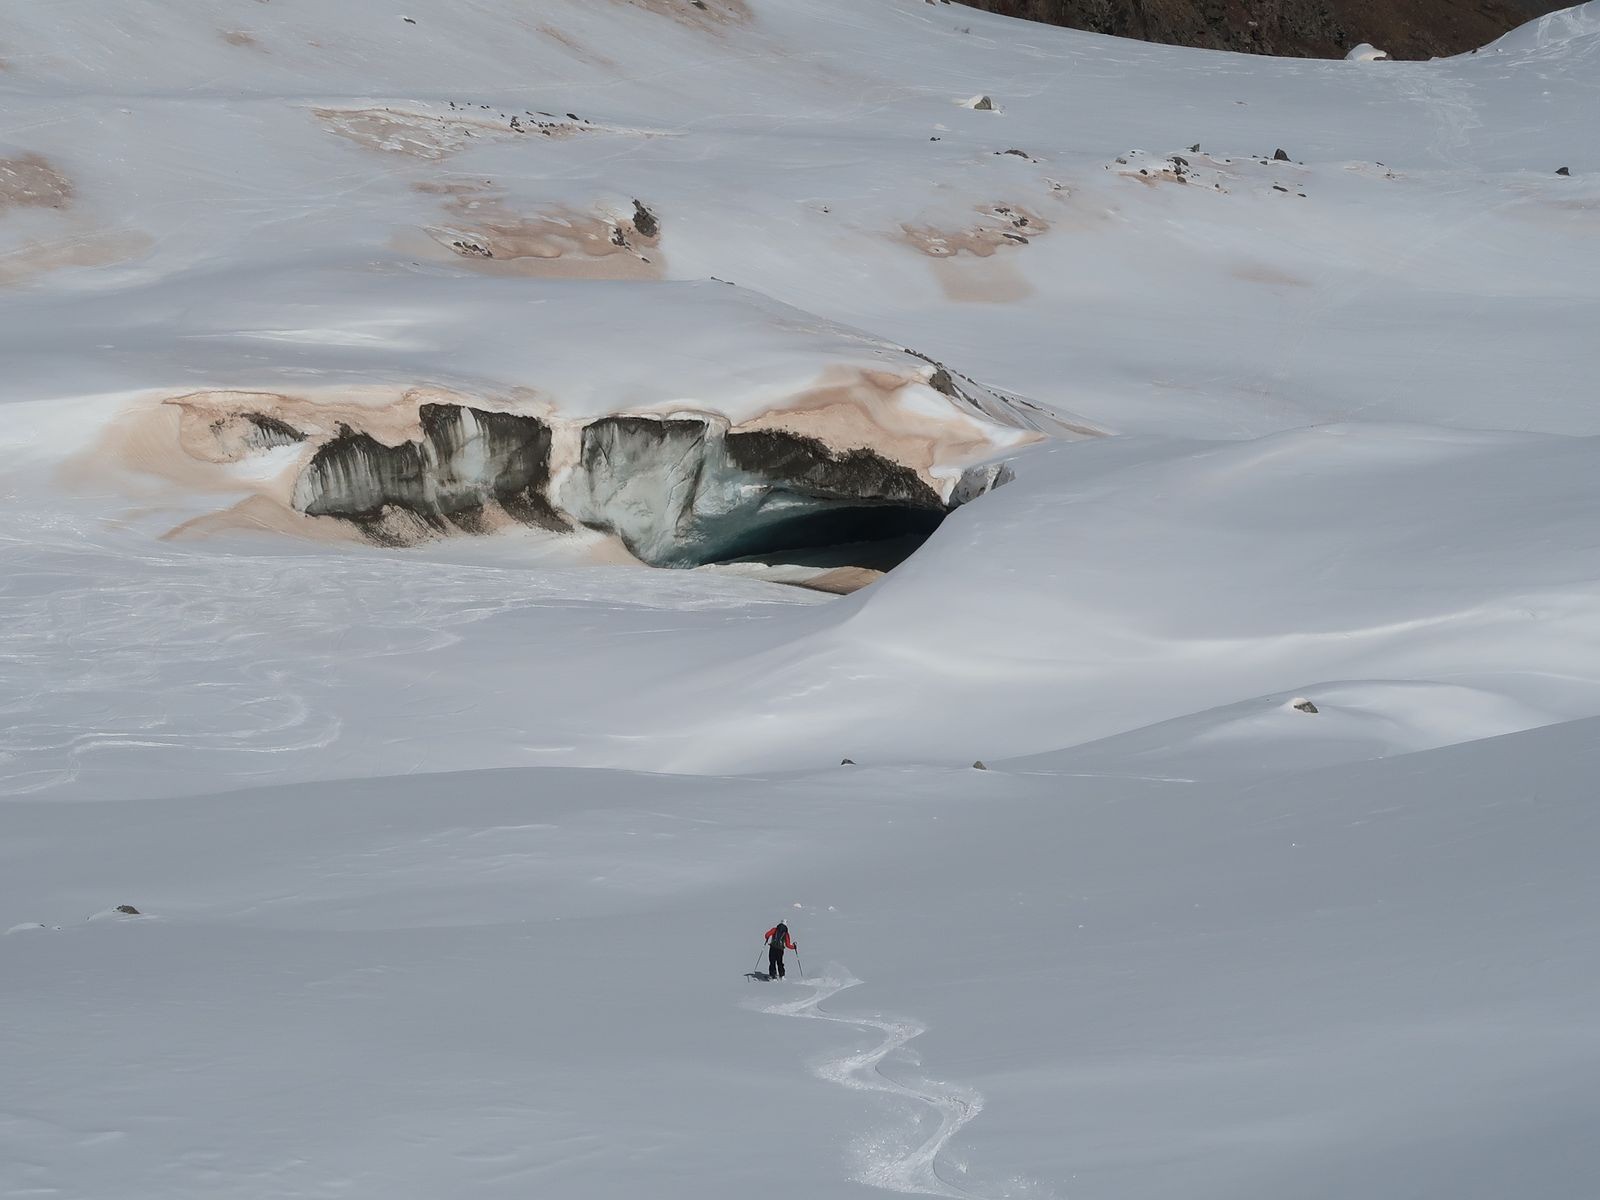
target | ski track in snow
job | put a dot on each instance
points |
(885, 1162)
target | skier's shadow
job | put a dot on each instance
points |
(761, 975)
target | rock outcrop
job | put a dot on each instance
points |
(1414, 29)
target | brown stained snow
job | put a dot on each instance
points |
(263, 514)
(489, 236)
(1255, 272)
(394, 131)
(1000, 226)
(431, 136)
(31, 181)
(19, 264)
(577, 48)
(238, 37)
(840, 581)
(188, 441)
(850, 407)
(706, 14)
(211, 419)
(982, 280)
(963, 274)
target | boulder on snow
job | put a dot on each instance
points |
(1563, 170)
(1367, 52)
(978, 766)
(1301, 704)
(645, 221)
(847, 762)
(1279, 155)
(128, 910)
(979, 104)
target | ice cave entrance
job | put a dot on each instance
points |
(677, 492)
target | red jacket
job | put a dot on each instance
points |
(787, 940)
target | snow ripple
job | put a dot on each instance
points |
(887, 1162)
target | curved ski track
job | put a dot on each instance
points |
(913, 1170)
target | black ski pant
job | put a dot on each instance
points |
(775, 960)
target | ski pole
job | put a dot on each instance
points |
(758, 961)
(799, 964)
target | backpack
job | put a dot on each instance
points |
(780, 935)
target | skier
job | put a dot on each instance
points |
(777, 939)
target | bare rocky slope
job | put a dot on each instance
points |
(1413, 29)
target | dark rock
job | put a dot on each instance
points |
(465, 459)
(847, 762)
(978, 766)
(1411, 29)
(269, 432)
(1278, 155)
(1304, 706)
(1563, 171)
(807, 464)
(645, 221)
(129, 910)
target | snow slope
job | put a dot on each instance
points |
(1180, 938)
(1356, 981)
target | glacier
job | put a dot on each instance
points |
(413, 421)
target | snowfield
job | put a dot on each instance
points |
(358, 360)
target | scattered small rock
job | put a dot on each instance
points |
(409, 20)
(1195, 149)
(1301, 704)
